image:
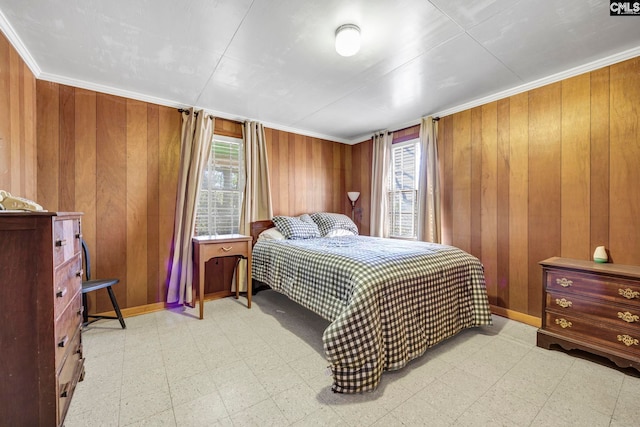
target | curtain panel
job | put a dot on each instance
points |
(197, 131)
(257, 204)
(379, 183)
(429, 186)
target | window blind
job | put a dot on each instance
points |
(222, 188)
(403, 190)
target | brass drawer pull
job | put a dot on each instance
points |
(564, 323)
(63, 342)
(564, 282)
(80, 273)
(61, 293)
(629, 293)
(226, 249)
(61, 242)
(628, 317)
(628, 340)
(563, 303)
(80, 311)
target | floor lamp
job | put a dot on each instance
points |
(353, 196)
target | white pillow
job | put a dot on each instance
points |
(271, 234)
(340, 232)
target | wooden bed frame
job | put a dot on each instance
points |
(258, 227)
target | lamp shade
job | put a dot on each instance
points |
(353, 195)
(348, 39)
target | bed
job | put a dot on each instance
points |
(388, 300)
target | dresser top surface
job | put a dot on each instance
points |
(632, 271)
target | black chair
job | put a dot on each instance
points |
(93, 285)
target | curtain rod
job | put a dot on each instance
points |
(182, 110)
(435, 119)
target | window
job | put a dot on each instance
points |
(222, 188)
(403, 189)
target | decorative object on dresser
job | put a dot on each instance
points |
(592, 307)
(600, 255)
(41, 314)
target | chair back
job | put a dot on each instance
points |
(87, 260)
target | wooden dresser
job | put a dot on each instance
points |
(40, 316)
(592, 307)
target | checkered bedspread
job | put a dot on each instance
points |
(388, 300)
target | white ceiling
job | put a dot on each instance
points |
(274, 61)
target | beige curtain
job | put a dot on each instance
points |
(197, 131)
(257, 192)
(429, 185)
(379, 183)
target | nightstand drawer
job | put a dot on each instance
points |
(602, 287)
(226, 249)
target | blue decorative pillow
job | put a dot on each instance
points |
(291, 227)
(328, 222)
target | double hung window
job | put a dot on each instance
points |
(221, 188)
(403, 189)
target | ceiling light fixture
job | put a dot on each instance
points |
(348, 39)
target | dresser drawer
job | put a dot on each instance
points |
(572, 304)
(66, 240)
(68, 281)
(602, 287)
(66, 327)
(622, 339)
(70, 373)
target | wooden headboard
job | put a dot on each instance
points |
(258, 227)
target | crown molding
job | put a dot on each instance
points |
(563, 75)
(169, 103)
(17, 44)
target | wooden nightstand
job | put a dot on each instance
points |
(208, 247)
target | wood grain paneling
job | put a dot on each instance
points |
(545, 107)
(307, 174)
(462, 180)
(501, 297)
(568, 162)
(624, 201)
(518, 203)
(599, 180)
(576, 170)
(116, 160)
(488, 196)
(18, 146)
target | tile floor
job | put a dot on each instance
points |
(265, 367)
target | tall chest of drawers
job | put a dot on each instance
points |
(592, 307)
(40, 316)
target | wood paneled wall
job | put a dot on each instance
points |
(360, 180)
(18, 174)
(308, 174)
(116, 160)
(550, 172)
